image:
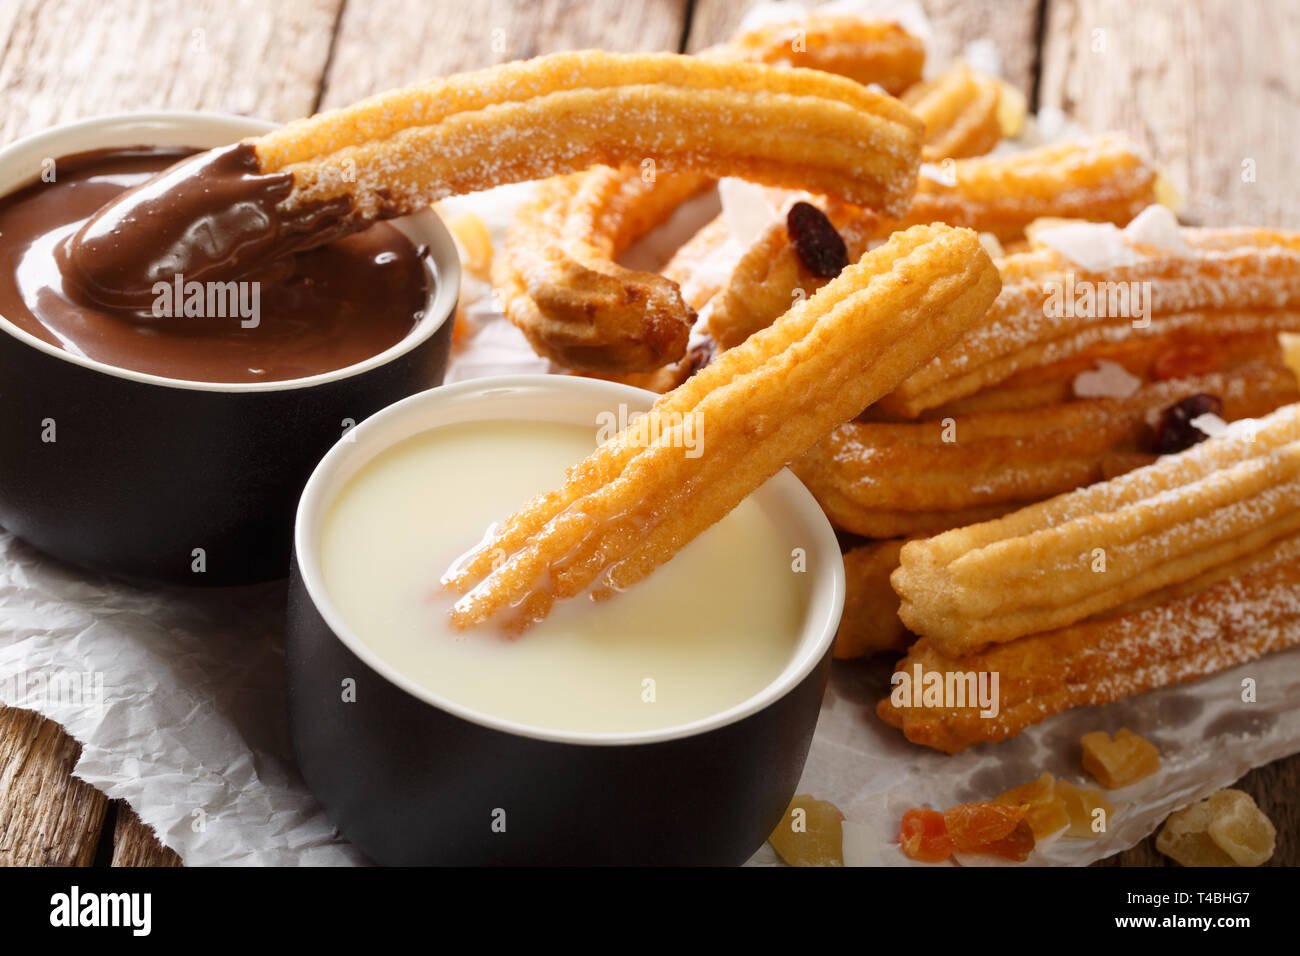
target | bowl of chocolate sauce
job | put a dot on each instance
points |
(160, 426)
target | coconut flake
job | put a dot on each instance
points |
(1158, 226)
(1107, 380)
(1093, 246)
(1210, 424)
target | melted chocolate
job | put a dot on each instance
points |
(101, 296)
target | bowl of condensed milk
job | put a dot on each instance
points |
(667, 724)
(168, 439)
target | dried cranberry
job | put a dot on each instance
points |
(1176, 432)
(701, 354)
(819, 247)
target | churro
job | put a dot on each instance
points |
(882, 479)
(960, 111)
(558, 280)
(1102, 179)
(870, 621)
(395, 153)
(1099, 179)
(1091, 551)
(770, 277)
(1226, 282)
(868, 51)
(1239, 618)
(620, 513)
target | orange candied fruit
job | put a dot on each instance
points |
(1118, 762)
(980, 827)
(924, 836)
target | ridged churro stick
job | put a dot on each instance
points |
(1187, 634)
(887, 479)
(1228, 282)
(1104, 179)
(960, 111)
(621, 512)
(397, 152)
(1093, 550)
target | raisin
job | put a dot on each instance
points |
(701, 354)
(1176, 432)
(819, 247)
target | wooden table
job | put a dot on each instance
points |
(1210, 86)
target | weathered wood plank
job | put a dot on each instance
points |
(1211, 87)
(387, 43)
(65, 59)
(1012, 26)
(47, 818)
(134, 844)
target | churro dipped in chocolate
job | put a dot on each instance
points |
(393, 154)
(641, 497)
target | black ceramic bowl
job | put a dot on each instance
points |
(151, 478)
(412, 777)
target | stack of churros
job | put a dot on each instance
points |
(1061, 483)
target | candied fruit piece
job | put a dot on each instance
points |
(1240, 829)
(1185, 838)
(1016, 845)
(818, 245)
(809, 834)
(924, 836)
(1044, 808)
(974, 826)
(1080, 804)
(1119, 762)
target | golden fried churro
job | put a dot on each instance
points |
(1157, 359)
(620, 513)
(394, 153)
(883, 479)
(1091, 551)
(1231, 282)
(559, 283)
(868, 51)
(1237, 619)
(870, 621)
(690, 265)
(770, 277)
(960, 111)
(1103, 179)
